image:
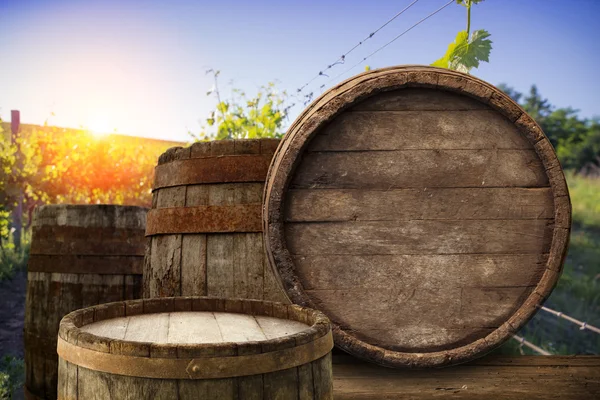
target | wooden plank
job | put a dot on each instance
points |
(248, 260)
(64, 296)
(356, 380)
(92, 384)
(220, 248)
(428, 271)
(427, 203)
(141, 388)
(420, 237)
(272, 290)
(420, 168)
(51, 376)
(248, 193)
(165, 251)
(132, 287)
(277, 327)
(323, 377)
(40, 328)
(171, 197)
(214, 389)
(219, 265)
(113, 328)
(90, 289)
(111, 288)
(100, 385)
(193, 265)
(248, 268)
(67, 384)
(193, 327)
(305, 382)
(193, 249)
(148, 328)
(250, 387)
(419, 99)
(483, 129)
(281, 385)
(239, 327)
(165, 279)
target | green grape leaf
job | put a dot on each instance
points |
(464, 54)
(468, 53)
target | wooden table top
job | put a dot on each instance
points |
(492, 377)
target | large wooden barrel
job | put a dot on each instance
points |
(195, 348)
(422, 210)
(205, 222)
(81, 255)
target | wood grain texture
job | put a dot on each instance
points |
(214, 247)
(421, 168)
(422, 189)
(531, 377)
(195, 338)
(195, 327)
(61, 283)
(418, 130)
(411, 204)
(421, 237)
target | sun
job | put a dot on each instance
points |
(100, 125)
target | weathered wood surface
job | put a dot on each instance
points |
(422, 210)
(190, 331)
(213, 246)
(524, 377)
(195, 327)
(63, 275)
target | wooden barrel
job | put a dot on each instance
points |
(81, 255)
(422, 210)
(195, 348)
(205, 222)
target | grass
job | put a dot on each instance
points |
(577, 293)
(12, 376)
(12, 261)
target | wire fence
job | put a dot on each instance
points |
(582, 324)
(342, 59)
(532, 346)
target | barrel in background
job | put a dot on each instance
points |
(422, 210)
(195, 348)
(205, 223)
(81, 255)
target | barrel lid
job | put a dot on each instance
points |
(195, 327)
(422, 210)
(193, 337)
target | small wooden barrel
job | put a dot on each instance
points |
(195, 348)
(81, 255)
(422, 210)
(205, 222)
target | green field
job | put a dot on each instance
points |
(578, 291)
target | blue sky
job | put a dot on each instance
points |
(139, 66)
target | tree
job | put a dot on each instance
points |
(243, 117)
(466, 52)
(576, 140)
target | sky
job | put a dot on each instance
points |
(140, 66)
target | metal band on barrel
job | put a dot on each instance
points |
(204, 219)
(200, 368)
(223, 169)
